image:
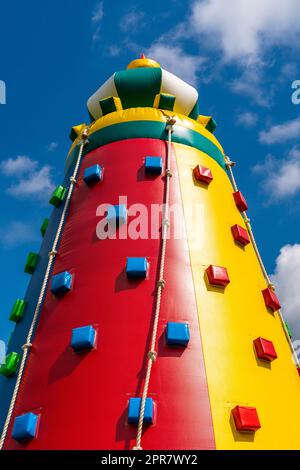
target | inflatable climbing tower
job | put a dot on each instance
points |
(149, 321)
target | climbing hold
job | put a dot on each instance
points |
(61, 283)
(135, 408)
(110, 104)
(25, 427)
(288, 328)
(58, 196)
(203, 174)
(246, 418)
(164, 101)
(217, 276)
(136, 268)
(44, 227)
(271, 299)
(10, 365)
(117, 214)
(92, 174)
(17, 310)
(83, 338)
(240, 201)
(177, 334)
(31, 263)
(153, 165)
(76, 131)
(211, 125)
(240, 235)
(208, 122)
(265, 349)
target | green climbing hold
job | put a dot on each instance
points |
(10, 366)
(17, 310)
(211, 125)
(288, 329)
(110, 104)
(58, 196)
(31, 263)
(164, 101)
(44, 227)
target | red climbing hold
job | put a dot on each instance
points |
(246, 418)
(265, 349)
(217, 276)
(240, 235)
(240, 201)
(203, 174)
(271, 299)
(143, 56)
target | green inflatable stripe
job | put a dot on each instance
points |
(138, 87)
(152, 130)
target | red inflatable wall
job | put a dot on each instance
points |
(82, 399)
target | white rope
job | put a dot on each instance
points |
(27, 346)
(229, 165)
(152, 355)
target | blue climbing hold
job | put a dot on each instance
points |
(83, 338)
(177, 334)
(135, 407)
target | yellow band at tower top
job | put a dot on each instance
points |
(147, 114)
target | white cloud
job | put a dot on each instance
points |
(37, 184)
(250, 83)
(289, 71)
(28, 180)
(52, 146)
(247, 119)
(96, 35)
(96, 19)
(280, 178)
(18, 166)
(98, 13)
(235, 32)
(176, 60)
(114, 51)
(132, 21)
(2, 351)
(244, 29)
(281, 132)
(17, 233)
(287, 280)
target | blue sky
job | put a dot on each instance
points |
(242, 60)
